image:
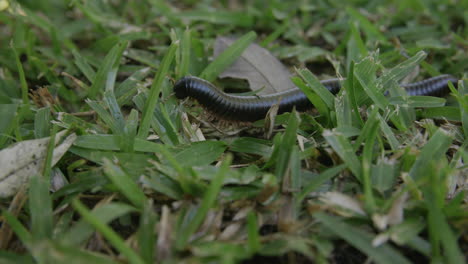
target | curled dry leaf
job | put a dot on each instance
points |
(342, 201)
(457, 181)
(193, 131)
(210, 227)
(242, 213)
(22, 160)
(58, 180)
(164, 244)
(380, 221)
(258, 66)
(230, 231)
(396, 213)
(287, 216)
(270, 121)
(394, 216)
(380, 239)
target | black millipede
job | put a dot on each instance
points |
(252, 108)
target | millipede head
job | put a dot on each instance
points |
(181, 88)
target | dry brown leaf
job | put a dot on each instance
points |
(258, 66)
(230, 231)
(24, 159)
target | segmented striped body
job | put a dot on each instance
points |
(252, 108)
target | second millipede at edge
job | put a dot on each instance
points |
(253, 108)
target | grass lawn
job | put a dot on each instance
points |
(101, 163)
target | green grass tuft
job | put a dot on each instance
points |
(364, 177)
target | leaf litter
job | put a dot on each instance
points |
(258, 66)
(25, 159)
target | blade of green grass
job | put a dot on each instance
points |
(105, 116)
(98, 142)
(367, 129)
(318, 181)
(287, 142)
(367, 157)
(316, 100)
(105, 76)
(209, 199)
(222, 17)
(356, 49)
(462, 98)
(365, 72)
(353, 93)
(123, 137)
(125, 90)
(13, 258)
(384, 175)
(387, 130)
(440, 233)
(361, 240)
(418, 101)
(130, 131)
(84, 66)
(100, 15)
(253, 238)
(40, 206)
(434, 149)
(22, 77)
(145, 57)
(7, 122)
(33, 18)
(155, 90)
(112, 237)
(134, 162)
(275, 152)
(275, 34)
(292, 184)
(343, 112)
(199, 153)
(124, 183)
(146, 233)
(46, 172)
(369, 28)
(165, 185)
(401, 70)
(163, 125)
(115, 113)
(250, 145)
(158, 123)
(184, 54)
(42, 122)
(21, 232)
(107, 142)
(343, 148)
(294, 168)
(317, 87)
(83, 230)
(450, 113)
(85, 183)
(51, 252)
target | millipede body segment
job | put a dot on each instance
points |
(252, 108)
